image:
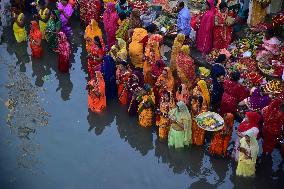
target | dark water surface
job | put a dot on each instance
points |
(49, 139)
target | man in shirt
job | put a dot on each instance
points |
(183, 21)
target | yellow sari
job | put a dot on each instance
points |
(178, 42)
(257, 13)
(42, 25)
(120, 49)
(92, 30)
(146, 114)
(19, 32)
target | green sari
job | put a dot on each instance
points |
(53, 26)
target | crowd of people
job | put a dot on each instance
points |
(129, 66)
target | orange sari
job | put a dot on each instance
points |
(162, 120)
(35, 40)
(96, 95)
(201, 89)
(122, 79)
(221, 139)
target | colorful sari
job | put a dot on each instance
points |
(178, 42)
(53, 26)
(198, 106)
(185, 67)
(122, 76)
(96, 94)
(119, 52)
(92, 30)
(35, 40)
(273, 120)
(247, 161)
(222, 33)
(108, 70)
(221, 139)
(204, 35)
(136, 47)
(19, 32)
(122, 31)
(110, 19)
(68, 10)
(64, 52)
(180, 131)
(183, 94)
(157, 69)
(257, 13)
(43, 14)
(95, 51)
(152, 55)
(233, 94)
(162, 118)
(164, 84)
(257, 101)
(145, 109)
(93, 11)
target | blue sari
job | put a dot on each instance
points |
(108, 70)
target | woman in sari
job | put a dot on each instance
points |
(95, 56)
(199, 104)
(146, 106)
(248, 154)
(221, 139)
(119, 52)
(110, 19)
(136, 47)
(96, 93)
(135, 21)
(92, 30)
(257, 101)
(122, 76)
(222, 33)
(19, 27)
(108, 70)
(64, 52)
(257, 13)
(35, 40)
(93, 11)
(165, 82)
(180, 130)
(122, 31)
(273, 121)
(43, 16)
(185, 67)
(234, 93)
(182, 94)
(66, 12)
(52, 28)
(249, 124)
(204, 35)
(134, 86)
(167, 103)
(178, 42)
(151, 56)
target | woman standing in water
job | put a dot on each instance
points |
(64, 52)
(180, 130)
(248, 154)
(53, 27)
(66, 12)
(96, 93)
(35, 40)
(91, 31)
(19, 27)
(122, 76)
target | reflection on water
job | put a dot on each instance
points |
(106, 150)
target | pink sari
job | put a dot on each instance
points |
(110, 18)
(204, 37)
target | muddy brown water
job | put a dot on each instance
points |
(49, 138)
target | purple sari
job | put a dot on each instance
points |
(68, 10)
(257, 101)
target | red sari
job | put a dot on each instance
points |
(233, 94)
(94, 65)
(35, 37)
(64, 51)
(273, 120)
(122, 79)
(222, 33)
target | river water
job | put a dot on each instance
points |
(49, 139)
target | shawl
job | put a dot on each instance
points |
(252, 121)
(204, 90)
(257, 101)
